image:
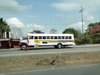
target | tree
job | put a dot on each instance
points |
(93, 30)
(4, 27)
(71, 31)
(16, 32)
(37, 31)
(53, 31)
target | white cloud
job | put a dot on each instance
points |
(88, 17)
(77, 26)
(64, 6)
(90, 5)
(14, 22)
(12, 6)
(31, 27)
(68, 22)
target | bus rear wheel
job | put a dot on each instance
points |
(59, 45)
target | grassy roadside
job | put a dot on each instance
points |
(10, 64)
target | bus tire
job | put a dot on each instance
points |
(23, 47)
(59, 45)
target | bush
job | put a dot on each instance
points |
(79, 40)
(96, 40)
(86, 40)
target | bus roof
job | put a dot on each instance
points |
(50, 34)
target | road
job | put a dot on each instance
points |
(49, 50)
(93, 69)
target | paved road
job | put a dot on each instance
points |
(49, 50)
(72, 70)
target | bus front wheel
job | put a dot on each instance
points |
(23, 47)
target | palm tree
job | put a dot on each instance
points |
(3, 27)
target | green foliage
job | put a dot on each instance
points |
(93, 31)
(87, 39)
(79, 40)
(71, 31)
(53, 31)
(36, 31)
(96, 38)
(3, 27)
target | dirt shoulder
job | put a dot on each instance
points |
(19, 63)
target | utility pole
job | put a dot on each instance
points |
(82, 22)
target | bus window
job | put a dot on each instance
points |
(36, 37)
(66, 37)
(70, 37)
(51, 37)
(30, 37)
(59, 37)
(55, 37)
(62, 37)
(40, 37)
(48, 37)
(44, 37)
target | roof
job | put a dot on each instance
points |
(50, 34)
(4, 39)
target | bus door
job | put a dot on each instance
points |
(31, 40)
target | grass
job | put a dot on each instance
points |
(18, 63)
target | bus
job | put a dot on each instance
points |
(56, 40)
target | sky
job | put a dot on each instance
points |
(29, 15)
